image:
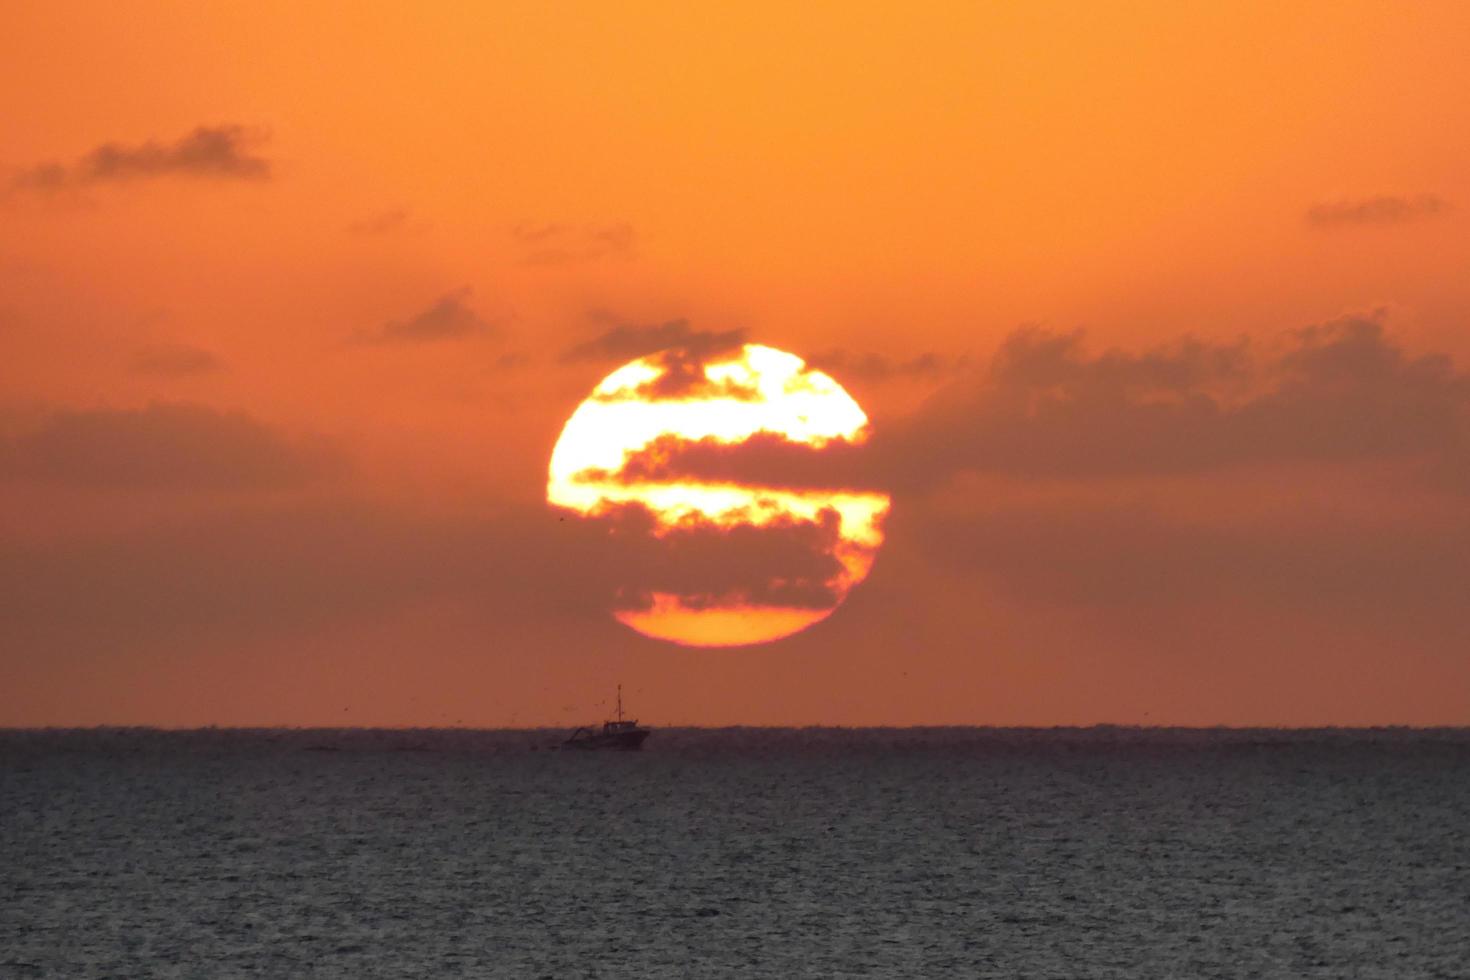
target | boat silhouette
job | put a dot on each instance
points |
(622, 734)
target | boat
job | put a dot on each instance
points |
(621, 733)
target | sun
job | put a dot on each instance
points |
(727, 489)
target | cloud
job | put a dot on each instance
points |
(1383, 209)
(165, 446)
(174, 360)
(449, 318)
(625, 342)
(263, 569)
(558, 244)
(879, 368)
(1338, 391)
(1036, 358)
(1045, 406)
(682, 377)
(218, 152)
(765, 459)
(247, 570)
(1131, 556)
(787, 562)
(382, 223)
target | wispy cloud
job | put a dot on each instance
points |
(217, 152)
(559, 244)
(449, 318)
(879, 368)
(174, 360)
(381, 223)
(1383, 209)
(625, 341)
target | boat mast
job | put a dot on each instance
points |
(620, 702)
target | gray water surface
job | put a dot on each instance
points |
(736, 853)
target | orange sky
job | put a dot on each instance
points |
(294, 303)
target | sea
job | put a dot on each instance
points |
(785, 853)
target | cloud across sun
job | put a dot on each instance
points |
(706, 478)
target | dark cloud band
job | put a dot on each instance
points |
(1338, 391)
(165, 446)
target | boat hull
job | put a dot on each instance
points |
(630, 741)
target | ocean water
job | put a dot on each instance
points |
(736, 853)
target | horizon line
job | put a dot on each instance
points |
(1096, 726)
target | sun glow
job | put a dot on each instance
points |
(720, 404)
